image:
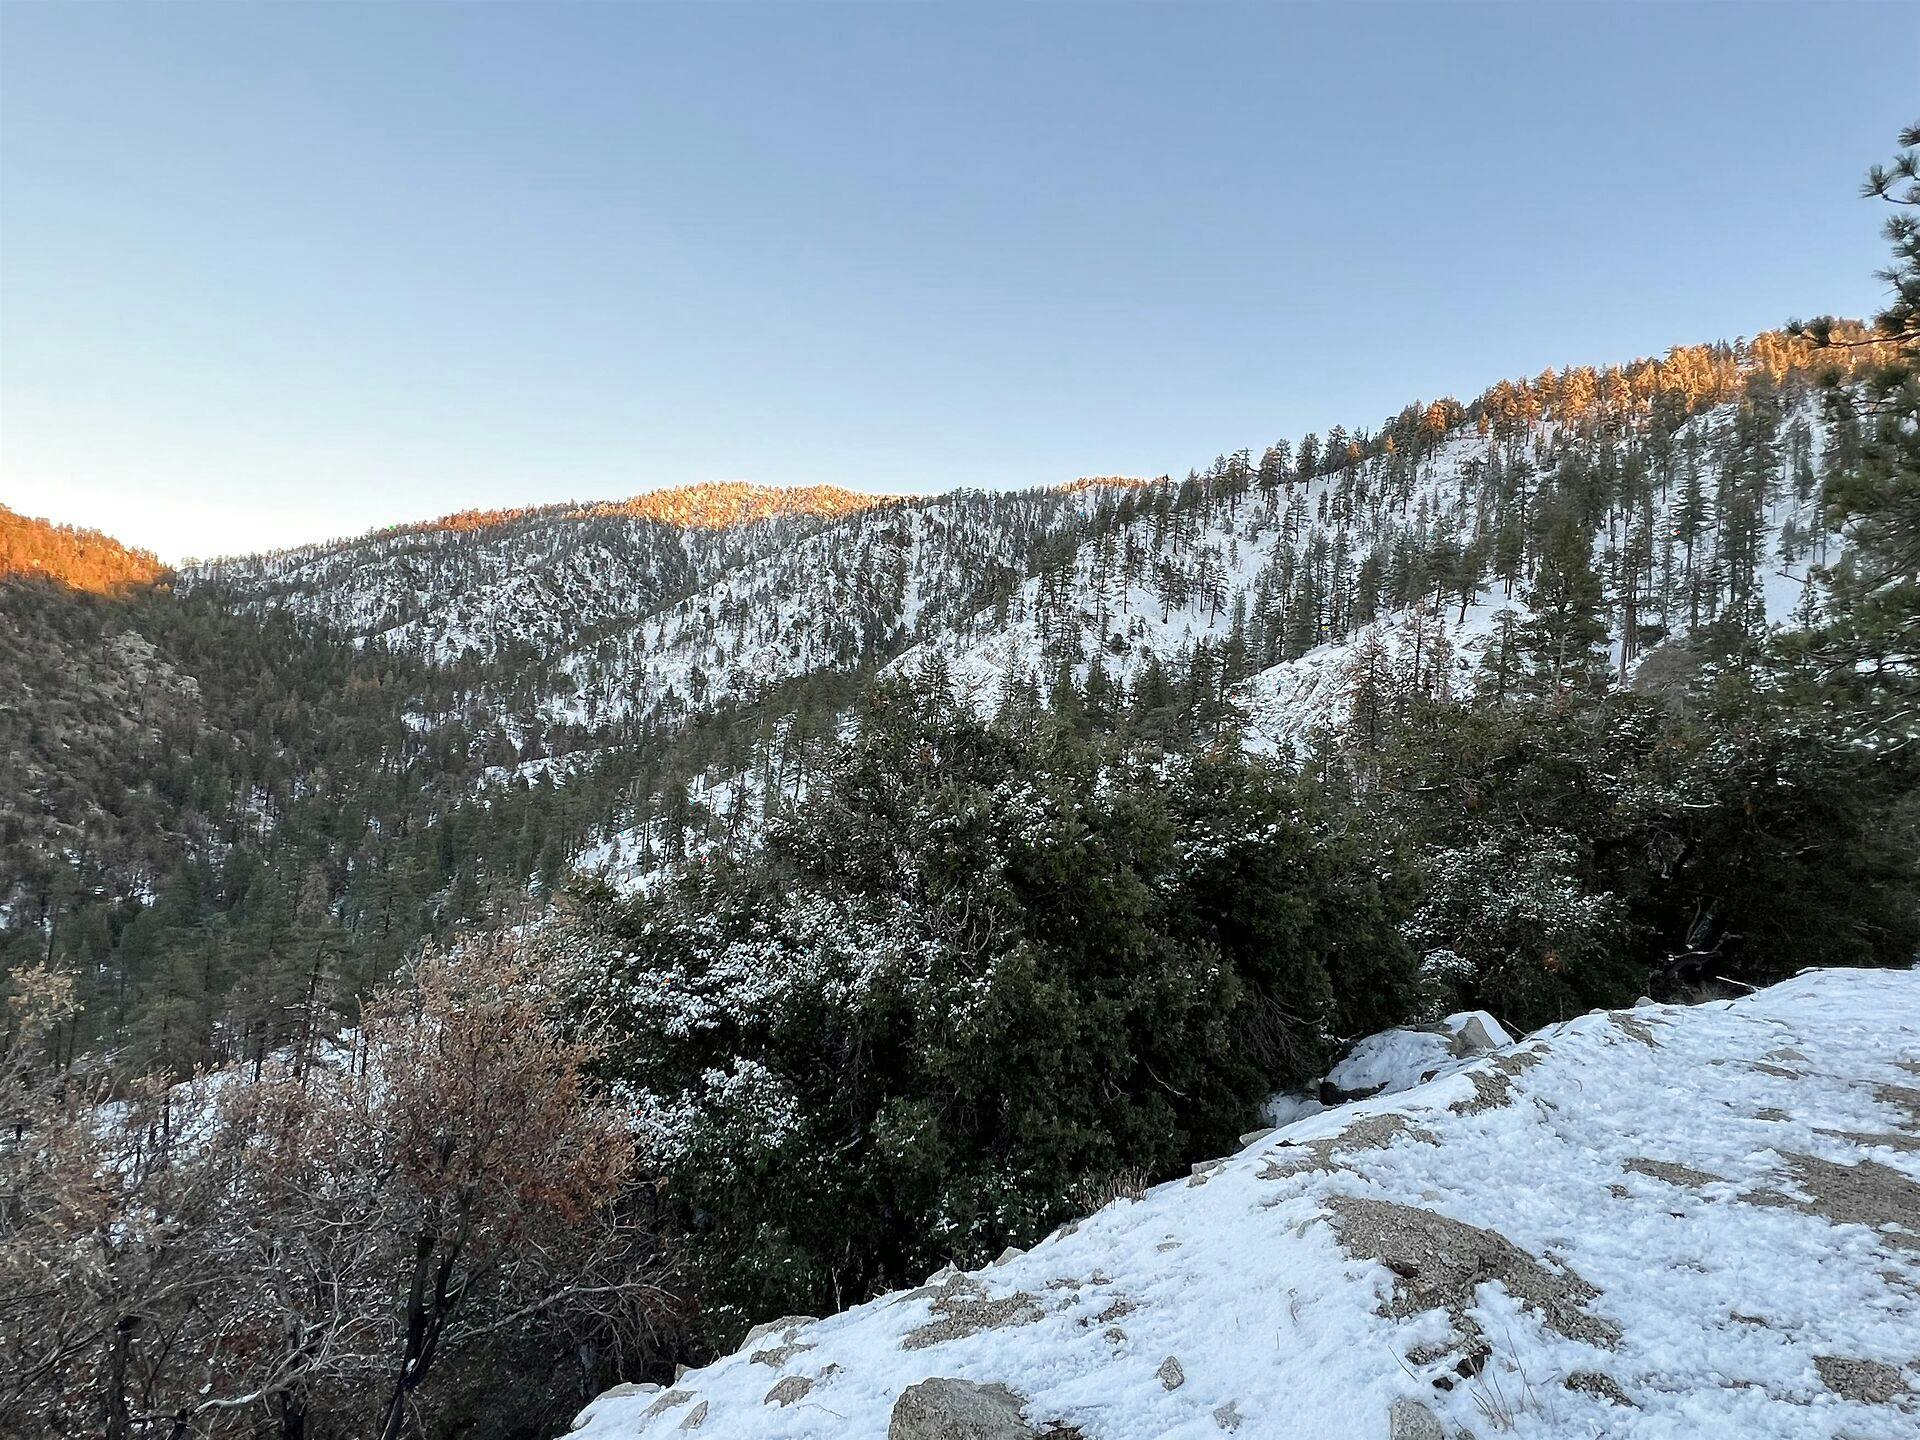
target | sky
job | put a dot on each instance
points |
(271, 274)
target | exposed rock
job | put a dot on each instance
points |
(1471, 1039)
(667, 1401)
(778, 1327)
(1170, 1375)
(1684, 1176)
(1491, 1091)
(1410, 1420)
(1227, 1416)
(1012, 1252)
(1437, 1262)
(1868, 1381)
(1599, 1384)
(631, 1387)
(947, 1409)
(962, 1308)
(779, 1354)
(1253, 1137)
(787, 1389)
(697, 1416)
(1637, 1029)
(1370, 1132)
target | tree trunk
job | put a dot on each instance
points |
(119, 1424)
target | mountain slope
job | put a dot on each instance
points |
(32, 549)
(1743, 1260)
(494, 583)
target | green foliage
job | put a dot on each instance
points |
(1576, 850)
(979, 976)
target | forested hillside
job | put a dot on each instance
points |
(549, 942)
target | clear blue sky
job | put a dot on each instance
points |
(273, 273)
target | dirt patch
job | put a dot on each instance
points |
(1493, 1088)
(1600, 1386)
(1865, 1380)
(1684, 1176)
(1903, 1098)
(963, 1309)
(1490, 1092)
(1868, 1139)
(1370, 1132)
(1867, 1193)
(1438, 1261)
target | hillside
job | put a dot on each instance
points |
(67, 555)
(1719, 1233)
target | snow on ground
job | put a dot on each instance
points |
(1668, 1222)
(1397, 1060)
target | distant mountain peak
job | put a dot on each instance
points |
(1107, 482)
(720, 504)
(69, 555)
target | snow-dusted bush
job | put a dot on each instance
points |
(979, 973)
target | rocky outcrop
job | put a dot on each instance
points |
(949, 1409)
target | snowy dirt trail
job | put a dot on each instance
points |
(1666, 1222)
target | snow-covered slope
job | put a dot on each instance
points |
(851, 594)
(1269, 585)
(1667, 1222)
(539, 580)
(1323, 566)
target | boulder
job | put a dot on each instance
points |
(1171, 1376)
(1410, 1420)
(1472, 1038)
(948, 1409)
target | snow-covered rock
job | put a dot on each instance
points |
(1665, 1222)
(1396, 1060)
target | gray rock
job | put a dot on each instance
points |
(776, 1327)
(1253, 1136)
(1227, 1416)
(1170, 1375)
(1470, 1039)
(787, 1390)
(1012, 1252)
(1410, 1420)
(947, 1409)
(697, 1416)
